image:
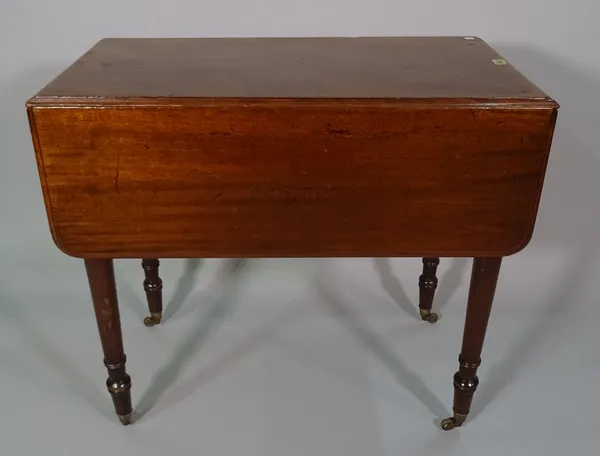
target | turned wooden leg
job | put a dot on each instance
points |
(153, 287)
(427, 285)
(481, 295)
(101, 277)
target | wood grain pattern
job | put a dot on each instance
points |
(316, 68)
(157, 148)
(291, 147)
(292, 179)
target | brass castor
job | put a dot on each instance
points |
(125, 419)
(448, 424)
(153, 319)
(428, 315)
(456, 421)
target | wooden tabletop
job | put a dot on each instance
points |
(276, 147)
(427, 68)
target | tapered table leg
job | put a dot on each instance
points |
(101, 278)
(481, 295)
(427, 285)
(153, 288)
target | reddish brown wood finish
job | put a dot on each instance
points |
(153, 286)
(310, 147)
(427, 284)
(484, 278)
(292, 179)
(101, 277)
(426, 68)
(363, 147)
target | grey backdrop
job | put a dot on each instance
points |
(297, 357)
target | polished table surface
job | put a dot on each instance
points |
(292, 147)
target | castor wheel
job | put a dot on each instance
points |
(456, 421)
(153, 319)
(448, 424)
(428, 315)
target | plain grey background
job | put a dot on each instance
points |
(305, 357)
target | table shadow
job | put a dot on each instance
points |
(393, 287)
(449, 282)
(334, 303)
(221, 295)
(183, 287)
(18, 177)
(54, 358)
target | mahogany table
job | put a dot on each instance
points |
(310, 147)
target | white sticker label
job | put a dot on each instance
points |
(469, 38)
